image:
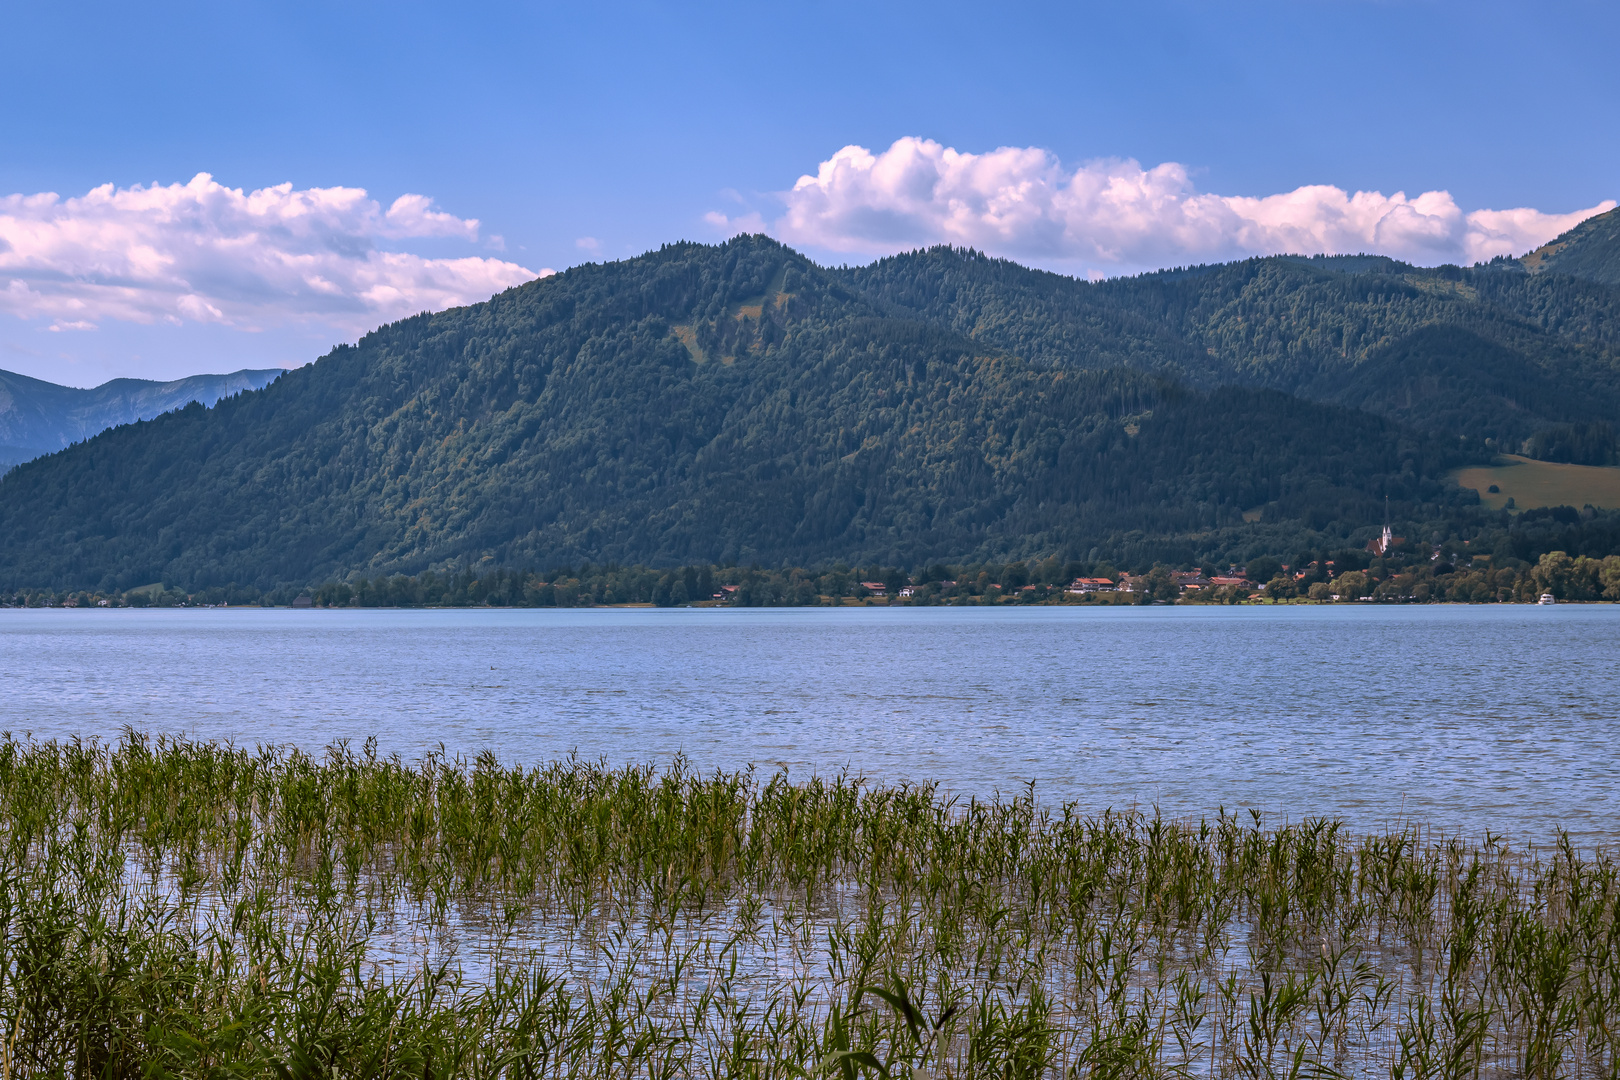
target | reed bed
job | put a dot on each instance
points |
(201, 910)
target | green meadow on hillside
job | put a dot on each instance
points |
(1530, 483)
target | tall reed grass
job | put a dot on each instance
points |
(199, 910)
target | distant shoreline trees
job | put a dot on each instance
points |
(1443, 574)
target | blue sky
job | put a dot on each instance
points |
(576, 132)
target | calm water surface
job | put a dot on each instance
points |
(1462, 717)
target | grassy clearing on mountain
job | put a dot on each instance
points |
(1530, 483)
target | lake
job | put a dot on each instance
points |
(1465, 718)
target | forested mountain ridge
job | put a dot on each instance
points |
(37, 417)
(699, 403)
(1488, 352)
(1590, 250)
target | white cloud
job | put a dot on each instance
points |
(733, 226)
(413, 215)
(203, 253)
(1023, 203)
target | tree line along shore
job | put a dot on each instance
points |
(1346, 576)
(1495, 557)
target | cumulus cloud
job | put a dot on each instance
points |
(1023, 203)
(201, 252)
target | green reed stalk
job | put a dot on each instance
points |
(197, 909)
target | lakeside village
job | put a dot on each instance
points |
(1387, 570)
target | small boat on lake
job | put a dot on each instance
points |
(1546, 598)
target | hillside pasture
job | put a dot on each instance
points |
(1530, 483)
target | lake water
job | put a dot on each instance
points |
(1461, 717)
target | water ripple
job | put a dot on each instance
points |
(1462, 717)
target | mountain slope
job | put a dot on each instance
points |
(37, 417)
(695, 404)
(1454, 379)
(1590, 250)
(1325, 329)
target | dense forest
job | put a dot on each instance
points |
(736, 404)
(1509, 558)
(1488, 353)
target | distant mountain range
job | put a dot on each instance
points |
(737, 402)
(38, 417)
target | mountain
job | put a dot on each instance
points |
(1488, 352)
(1590, 250)
(737, 402)
(38, 417)
(703, 403)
